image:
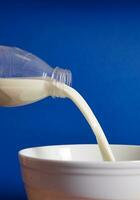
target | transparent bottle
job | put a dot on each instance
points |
(23, 74)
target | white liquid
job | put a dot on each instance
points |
(16, 92)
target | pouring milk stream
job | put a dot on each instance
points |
(24, 79)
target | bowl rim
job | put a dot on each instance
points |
(131, 164)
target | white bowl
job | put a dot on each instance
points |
(77, 172)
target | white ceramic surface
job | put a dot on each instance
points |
(77, 172)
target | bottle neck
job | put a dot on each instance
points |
(57, 82)
(55, 88)
(62, 76)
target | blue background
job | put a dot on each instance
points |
(100, 43)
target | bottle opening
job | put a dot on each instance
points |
(62, 75)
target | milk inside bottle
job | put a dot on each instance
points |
(24, 79)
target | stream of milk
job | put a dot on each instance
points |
(22, 91)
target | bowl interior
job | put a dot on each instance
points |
(87, 153)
